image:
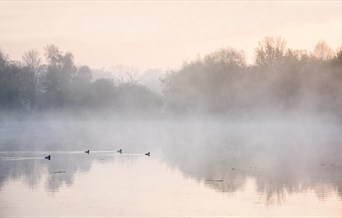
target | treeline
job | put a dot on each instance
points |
(280, 80)
(58, 84)
(223, 82)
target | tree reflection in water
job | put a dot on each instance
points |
(279, 163)
(279, 160)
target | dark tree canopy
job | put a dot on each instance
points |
(222, 82)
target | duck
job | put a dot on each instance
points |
(87, 151)
(120, 151)
(48, 157)
(148, 154)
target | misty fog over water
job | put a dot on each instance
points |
(222, 132)
(276, 159)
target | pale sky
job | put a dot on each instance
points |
(162, 34)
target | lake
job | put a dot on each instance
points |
(195, 169)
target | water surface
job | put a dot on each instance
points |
(195, 170)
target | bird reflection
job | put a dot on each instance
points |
(61, 170)
(274, 173)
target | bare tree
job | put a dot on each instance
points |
(322, 51)
(52, 54)
(33, 67)
(339, 53)
(31, 59)
(33, 62)
(227, 56)
(126, 78)
(270, 50)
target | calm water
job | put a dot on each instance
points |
(217, 173)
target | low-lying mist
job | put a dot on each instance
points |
(281, 156)
(217, 118)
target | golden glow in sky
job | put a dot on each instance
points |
(152, 34)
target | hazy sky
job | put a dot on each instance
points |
(154, 34)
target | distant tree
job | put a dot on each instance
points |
(226, 57)
(270, 50)
(135, 98)
(83, 75)
(81, 87)
(103, 93)
(52, 54)
(3, 59)
(339, 54)
(322, 51)
(58, 79)
(32, 66)
(8, 90)
(128, 78)
(205, 84)
(32, 60)
(12, 84)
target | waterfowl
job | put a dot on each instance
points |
(87, 151)
(48, 157)
(148, 154)
(120, 151)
